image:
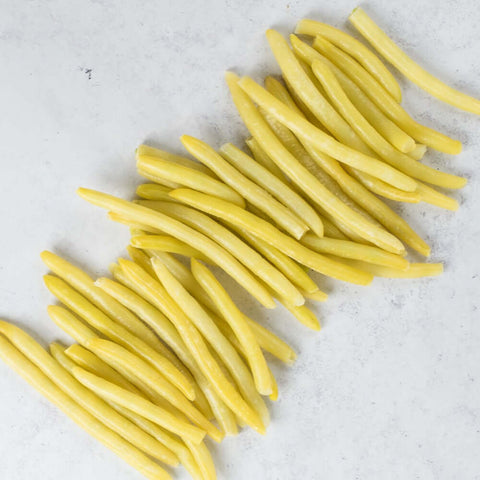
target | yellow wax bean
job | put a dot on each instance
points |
(303, 82)
(118, 355)
(390, 107)
(188, 177)
(372, 138)
(375, 185)
(300, 175)
(298, 151)
(264, 160)
(169, 244)
(374, 206)
(34, 376)
(250, 190)
(312, 187)
(382, 188)
(152, 191)
(139, 257)
(227, 331)
(418, 152)
(89, 361)
(100, 367)
(70, 324)
(370, 203)
(158, 296)
(153, 178)
(332, 231)
(414, 72)
(118, 333)
(84, 284)
(203, 458)
(138, 404)
(132, 299)
(186, 234)
(267, 340)
(356, 49)
(394, 134)
(82, 334)
(212, 334)
(415, 270)
(149, 427)
(116, 217)
(317, 103)
(280, 190)
(225, 417)
(236, 320)
(94, 405)
(184, 276)
(303, 314)
(278, 90)
(240, 250)
(432, 196)
(269, 234)
(93, 364)
(106, 369)
(341, 130)
(291, 269)
(318, 296)
(146, 150)
(347, 249)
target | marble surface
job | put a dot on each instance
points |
(390, 389)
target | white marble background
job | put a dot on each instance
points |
(390, 389)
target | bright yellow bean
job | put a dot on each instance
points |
(240, 250)
(250, 190)
(267, 339)
(418, 152)
(94, 405)
(312, 187)
(237, 322)
(352, 150)
(90, 362)
(152, 191)
(186, 234)
(82, 307)
(291, 269)
(129, 295)
(158, 296)
(415, 270)
(414, 72)
(146, 150)
(434, 197)
(212, 334)
(264, 160)
(394, 134)
(188, 177)
(357, 251)
(37, 379)
(390, 107)
(373, 205)
(280, 190)
(356, 49)
(84, 284)
(165, 243)
(111, 392)
(269, 234)
(117, 355)
(374, 140)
